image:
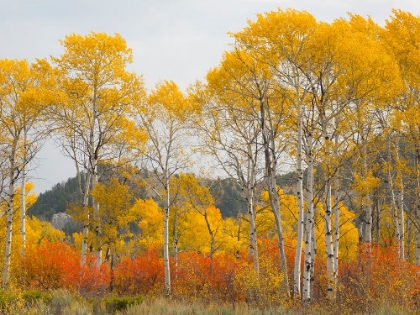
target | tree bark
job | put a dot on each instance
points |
(166, 237)
(308, 227)
(9, 223)
(300, 223)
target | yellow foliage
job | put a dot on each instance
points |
(348, 233)
(365, 184)
(151, 223)
(37, 230)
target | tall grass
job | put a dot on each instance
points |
(63, 302)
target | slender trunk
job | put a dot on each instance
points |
(300, 223)
(314, 249)
(329, 242)
(23, 211)
(85, 231)
(253, 247)
(396, 208)
(96, 218)
(336, 212)
(249, 196)
(378, 221)
(175, 242)
(401, 221)
(409, 236)
(270, 173)
(166, 238)
(367, 231)
(212, 240)
(329, 250)
(309, 223)
(9, 224)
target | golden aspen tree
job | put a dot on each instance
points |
(254, 84)
(231, 133)
(287, 34)
(23, 97)
(98, 96)
(340, 78)
(165, 118)
(401, 37)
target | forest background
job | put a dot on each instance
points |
(335, 101)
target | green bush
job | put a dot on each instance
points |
(6, 298)
(114, 304)
(34, 295)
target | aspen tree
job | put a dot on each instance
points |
(165, 119)
(22, 99)
(231, 132)
(97, 99)
(266, 106)
(401, 37)
(288, 34)
(341, 78)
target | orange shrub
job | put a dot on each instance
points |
(140, 275)
(57, 265)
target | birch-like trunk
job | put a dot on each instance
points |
(85, 230)
(249, 194)
(336, 212)
(397, 207)
(96, 218)
(9, 222)
(309, 223)
(23, 198)
(175, 243)
(166, 238)
(378, 221)
(253, 247)
(329, 250)
(23, 211)
(275, 205)
(401, 229)
(270, 173)
(367, 230)
(300, 223)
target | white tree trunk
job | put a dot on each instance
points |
(367, 231)
(166, 238)
(309, 223)
(300, 223)
(329, 250)
(9, 222)
(253, 247)
(96, 219)
(23, 211)
(401, 221)
(85, 231)
(336, 211)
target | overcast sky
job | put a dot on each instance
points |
(176, 40)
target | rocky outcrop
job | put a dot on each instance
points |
(60, 220)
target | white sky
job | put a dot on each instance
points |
(176, 40)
